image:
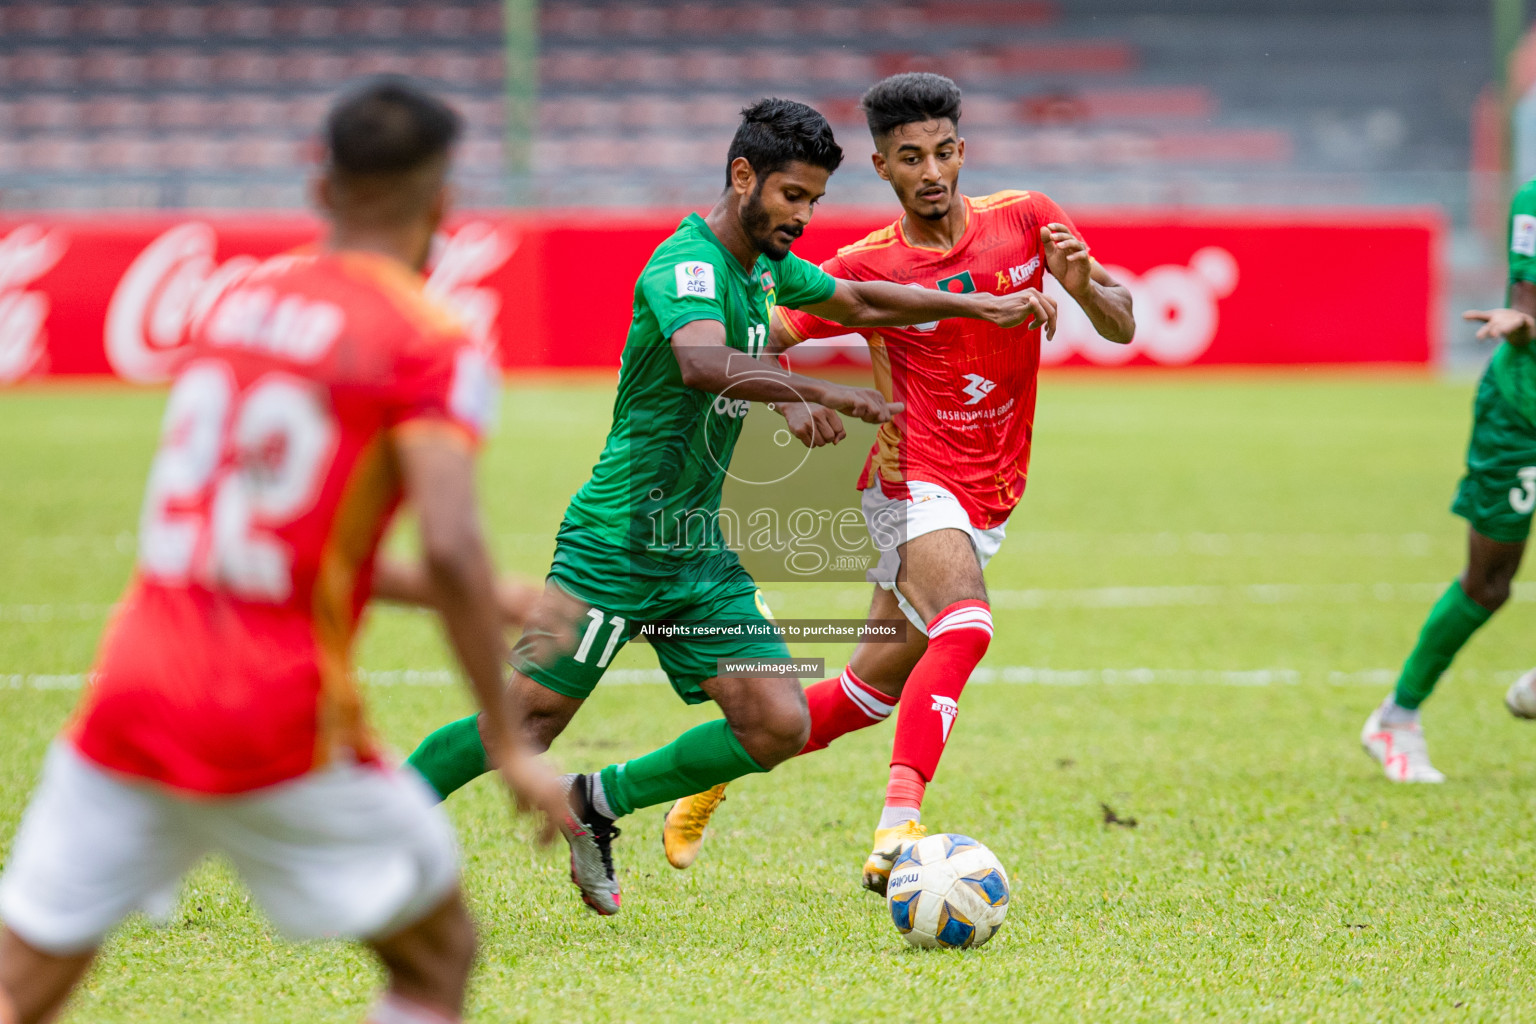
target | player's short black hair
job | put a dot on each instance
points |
(775, 133)
(389, 126)
(910, 98)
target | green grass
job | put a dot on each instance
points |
(1273, 876)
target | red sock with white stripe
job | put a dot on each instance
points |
(840, 706)
(396, 1009)
(957, 638)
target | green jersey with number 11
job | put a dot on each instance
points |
(656, 487)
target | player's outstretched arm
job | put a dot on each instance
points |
(1106, 301)
(707, 363)
(815, 425)
(438, 469)
(1509, 325)
(883, 304)
(402, 582)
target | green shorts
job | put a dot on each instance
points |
(619, 593)
(1498, 494)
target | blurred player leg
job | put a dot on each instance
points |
(37, 983)
(428, 965)
(454, 755)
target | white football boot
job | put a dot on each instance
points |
(1399, 749)
(1521, 696)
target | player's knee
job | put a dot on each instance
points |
(780, 730)
(966, 625)
(1491, 586)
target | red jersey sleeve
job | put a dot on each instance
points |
(803, 326)
(1041, 210)
(444, 380)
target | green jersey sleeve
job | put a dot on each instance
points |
(801, 283)
(683, 285)
(1522, 234)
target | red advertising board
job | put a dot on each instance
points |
(112, 295)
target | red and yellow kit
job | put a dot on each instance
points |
(969, 386)
(227, 666)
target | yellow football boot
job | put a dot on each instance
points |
(682, 831)
(889, 844)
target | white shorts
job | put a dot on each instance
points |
(894, 521)
(356, 851)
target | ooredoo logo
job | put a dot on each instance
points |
(26, 254)
(1177, 313)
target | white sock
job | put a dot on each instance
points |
(890, 817)
(392, 1009)
(598, 795)
(1393, 713)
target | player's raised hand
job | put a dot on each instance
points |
(1066, 257)
(864, 404)
(536, 789)
(1028, 307)
(815, 425)
(1509, 325)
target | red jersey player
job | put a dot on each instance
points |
(944, 476)
(223, 714)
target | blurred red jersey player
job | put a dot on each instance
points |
(943, 476)
(223, 716)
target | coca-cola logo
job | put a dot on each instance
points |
(26, 254)
(177, 279)
(1177, 313)
(171, 284)
(460, 263)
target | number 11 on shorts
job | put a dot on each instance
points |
(616, 630)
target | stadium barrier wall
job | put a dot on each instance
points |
(113, 295)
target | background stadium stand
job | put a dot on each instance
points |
(1102, 101)
(1109, 102)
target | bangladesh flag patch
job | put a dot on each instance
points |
(960, 283)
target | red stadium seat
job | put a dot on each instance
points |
(43, 67)
(185, 111)
(177, 21)
(107, 19)
(117, 66)
(179, 66)
(118, 112)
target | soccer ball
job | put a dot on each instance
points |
(1521, 697)
(947, 892)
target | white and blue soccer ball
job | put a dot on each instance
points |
(947, 892)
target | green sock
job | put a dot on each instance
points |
(451, 757)
(1451, 623)
(704, 756)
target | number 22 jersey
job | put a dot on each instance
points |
(227, 666)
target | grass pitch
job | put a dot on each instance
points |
(1207, 588)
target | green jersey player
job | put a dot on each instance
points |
(1496, 498)
(641, 544)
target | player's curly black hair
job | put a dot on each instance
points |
(909, 98)
(775, 133)
(389, 126)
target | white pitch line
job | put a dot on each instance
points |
(1183, 596)
(999, 675)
